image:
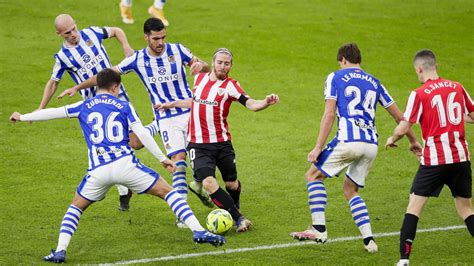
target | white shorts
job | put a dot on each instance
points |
(174, 132)
(127, 171)
(357, 156)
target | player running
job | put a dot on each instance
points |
(105, 120)
(352, 95)
(208, 132)
(439, 106)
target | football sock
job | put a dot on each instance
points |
(181, 209)
(223, 200)
(127, 3)
(470, 224)
(407, 234)
(235, 194)
(122, 190)
(317, 204)
(68, 227)
(179, 179)
(361, 216)
(153, 128)
(159, 3)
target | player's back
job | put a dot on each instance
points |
(439, 106)
(356, 93)
(105, 123)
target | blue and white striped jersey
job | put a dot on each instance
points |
(85, 59)
(164, 76)
(105, 120)
(356, 93)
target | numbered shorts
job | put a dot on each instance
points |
(429, 180)
(174, 131)
(204, 158)
(357, 157)
(126, 171)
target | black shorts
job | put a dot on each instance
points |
(429, 180)
(205, 157)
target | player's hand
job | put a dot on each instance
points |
(71, 92)
(169, 165)
(416, 148)
(163, 106)
(128, 51)
(390, 143)
(272, 99)
(15, 117)
(196, 67)
(313, 155)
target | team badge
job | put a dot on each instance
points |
(161, 70)
(168, 146)
(89, 43)
(220, 91)
(171, 59)
(147, 64)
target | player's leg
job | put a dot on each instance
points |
(142, 179)
(124, 197)
(355, 178)
(156, 11)
(464, 208)
(126, 11)
(460, 183)
(90, 190)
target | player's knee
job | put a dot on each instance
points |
(314, 174)
(210, 184)
(232, 185)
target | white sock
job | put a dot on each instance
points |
(122, 190)
(159, 3)
(181, 209)
(68, 227)
(126, 3)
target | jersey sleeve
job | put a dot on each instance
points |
(385, 99)
(469, 104)
(132, 115)
(128, 64)
(73, 110)
(413, 109)
(235, 91)
(58, 69)
(101, 32)
(186, 54)
(330, 89)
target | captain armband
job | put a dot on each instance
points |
(243, 99)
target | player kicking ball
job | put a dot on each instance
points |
(105, 121)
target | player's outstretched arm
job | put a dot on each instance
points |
(402, 129)
(40, 115)
(147, 140)
(197, 66)
(186, 103)
(90, 82)
(48, 92)
(469, 118)
(324, 129)
(398, 117)
(258, 105)
(122, 39)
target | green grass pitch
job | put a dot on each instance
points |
(282, 46)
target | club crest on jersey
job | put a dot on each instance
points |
(86, 58)
(171, 59)
(147, 64)
(168, 146)
(89, 43)
(161, 70)
(220, 91)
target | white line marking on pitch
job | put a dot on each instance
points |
(276, 246)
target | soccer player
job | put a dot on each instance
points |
(161, 67)
(352, 95)
(83, 55)
(105, 120)
(439, 105)
(208, 133)
(156, 11)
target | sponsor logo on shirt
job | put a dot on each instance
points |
(86, 58)
(161, 70)
(90, 64)
(163, 78)
(206, 102)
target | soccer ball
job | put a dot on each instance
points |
(219, 221)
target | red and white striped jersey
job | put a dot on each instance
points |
(439, 106)
(210, 108)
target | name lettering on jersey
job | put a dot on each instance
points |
(438, 85)
(90, 64)
(347, 77)
(163, 78)
(95, 101)
(206, 102)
